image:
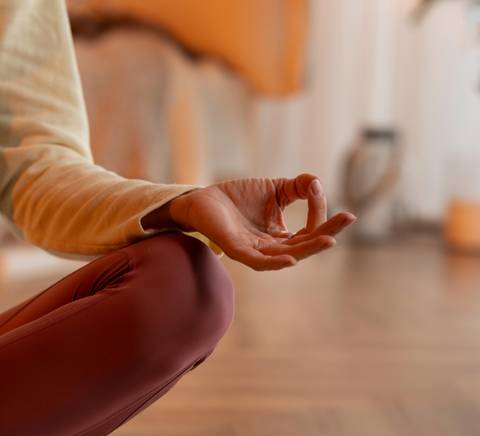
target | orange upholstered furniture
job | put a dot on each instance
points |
(262, 40)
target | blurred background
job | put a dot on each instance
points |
(380, 99)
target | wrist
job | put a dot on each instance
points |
(158, 218)
(169, 215)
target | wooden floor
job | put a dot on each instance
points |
(359, 341)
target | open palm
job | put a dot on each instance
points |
(245, 219)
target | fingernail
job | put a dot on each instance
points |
(316, 187)
(291, 262)
(331, 241)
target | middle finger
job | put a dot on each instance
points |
(331, 228)
(300, 250)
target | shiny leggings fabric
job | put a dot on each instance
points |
(93, 350)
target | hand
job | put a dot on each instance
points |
(245, 219)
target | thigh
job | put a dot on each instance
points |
(97, 275)
(57, 348)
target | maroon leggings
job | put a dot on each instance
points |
(93, 350)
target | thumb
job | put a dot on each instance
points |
(317, 205)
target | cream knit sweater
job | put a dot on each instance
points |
(50, 190)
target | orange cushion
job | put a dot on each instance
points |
(263, 40)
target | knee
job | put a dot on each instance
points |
(204, 293)
(188, 298)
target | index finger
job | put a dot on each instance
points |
(290, 190)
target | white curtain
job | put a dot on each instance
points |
(369, 64)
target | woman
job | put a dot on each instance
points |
(96, 348)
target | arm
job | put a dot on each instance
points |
(50, 190)
(55, 197)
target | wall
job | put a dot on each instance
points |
(369, 63)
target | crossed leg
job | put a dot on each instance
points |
(96, 348)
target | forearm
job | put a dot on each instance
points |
(50, 189)
(66, 204)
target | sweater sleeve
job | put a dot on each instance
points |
(51, 192)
